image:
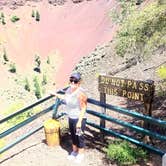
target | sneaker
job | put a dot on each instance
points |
(72, 155)
(79, 158)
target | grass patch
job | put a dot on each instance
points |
(15, 107)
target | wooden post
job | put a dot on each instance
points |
(103, 111)
(148, 106)
(142, 90)
(148, 110)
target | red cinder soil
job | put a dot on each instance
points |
(72, 29)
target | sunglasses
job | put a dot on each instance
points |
(74, 80)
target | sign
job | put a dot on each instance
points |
(132, 89)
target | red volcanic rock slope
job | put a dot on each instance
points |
(72, 30)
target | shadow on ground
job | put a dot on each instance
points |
(93, 140)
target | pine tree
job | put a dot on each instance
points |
(2, 15)
(44, 81)
(37, 88)
(5, 56)
(33, 13)
(37, 16)
(48, 60)
(12, 68)
(27, 85)
(37, 64)
(3, 21)
(37, 60)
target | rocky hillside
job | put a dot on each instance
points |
(136, 63)
(14, 4)
(103, 60)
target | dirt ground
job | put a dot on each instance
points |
(34, 150)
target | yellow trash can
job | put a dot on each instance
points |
(52, 132)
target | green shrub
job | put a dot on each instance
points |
(142, 30)
(138, 2)
(5, 56)
(37, 16)
(2, 15)
(3, 21)
(37, 88)
(161, 86)
(37, 60)
(15, 18)
(27, 85)
(44, 81)
(48, 60)
(33, 13)
(162, 72)
(161, 2)
(37, 64)
(124, 153)
(118, 15)
(12, 68)
(2, 18)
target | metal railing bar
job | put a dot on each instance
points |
(21, 138)
(26, 108)
(16, 127)
(129, 125)
(95, 102)
(55, 107)
(122, 136)
(129, 112)
(62, 91)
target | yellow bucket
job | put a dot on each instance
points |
(52, 132)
